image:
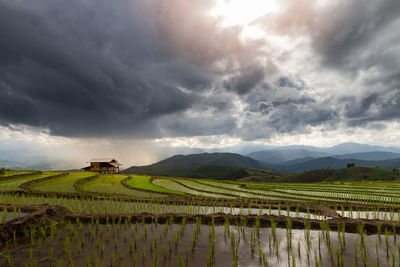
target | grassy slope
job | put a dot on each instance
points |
(143, 182)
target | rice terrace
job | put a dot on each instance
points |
(200, 133)
(94, 219)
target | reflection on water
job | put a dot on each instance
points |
(379, 215)
(145, 244)
(7, 216)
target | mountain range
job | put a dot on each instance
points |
(206, 165)
(290, 159)
(301, 158)
(330, 162)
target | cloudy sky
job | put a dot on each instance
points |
(131, 78)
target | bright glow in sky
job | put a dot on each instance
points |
(239, 12)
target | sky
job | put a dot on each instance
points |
(141, 79)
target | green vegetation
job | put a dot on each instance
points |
(204, 171)
(330, 175)
(224, 166)
(102, 220)
(14, 183)
(144, 182)
(173, 185)
(111, 184)
(12, 173)
(61, 184)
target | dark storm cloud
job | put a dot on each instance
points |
(74, 66)
(15, 108)
(344, 37)
(87, 68)
(288, 82)
(359, 41)
(151, 69)
(373, 108)
(274, 109)
(115, 68)
(340, 31)
(245, 81)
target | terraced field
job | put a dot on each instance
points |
(145, 183)
(11, 183)
(61, 184)
(175, 185)
(8, 173)
(107, 219)
(112, 184)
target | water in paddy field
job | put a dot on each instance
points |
(379, 215)
(166, 245)
(8, 216)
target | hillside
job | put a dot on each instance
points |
(220, 159)
(375, 155)
(202, 171)
(206, 165)
(281, 155)
(278, 156)
(330, 162)
(329, 175)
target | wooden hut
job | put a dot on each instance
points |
(103, 165)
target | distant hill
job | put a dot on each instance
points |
(332, 163)
(282, 155)
(375, 156)
(202, 171)
(206, 165)
(330, 175)
(278, 155)
(348, 148)
(220, 159)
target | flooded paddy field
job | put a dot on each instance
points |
(120, 243)
(7, 216)
(86, 219)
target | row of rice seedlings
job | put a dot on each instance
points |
(15, 213)
(388, 213)
(116, 243)
(14, 183)
(365, 193)
(61, 184)
(105, 207)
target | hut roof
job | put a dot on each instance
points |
(111, 161)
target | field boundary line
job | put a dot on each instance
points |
(124, 183)
(20, 175)
(26, 185)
